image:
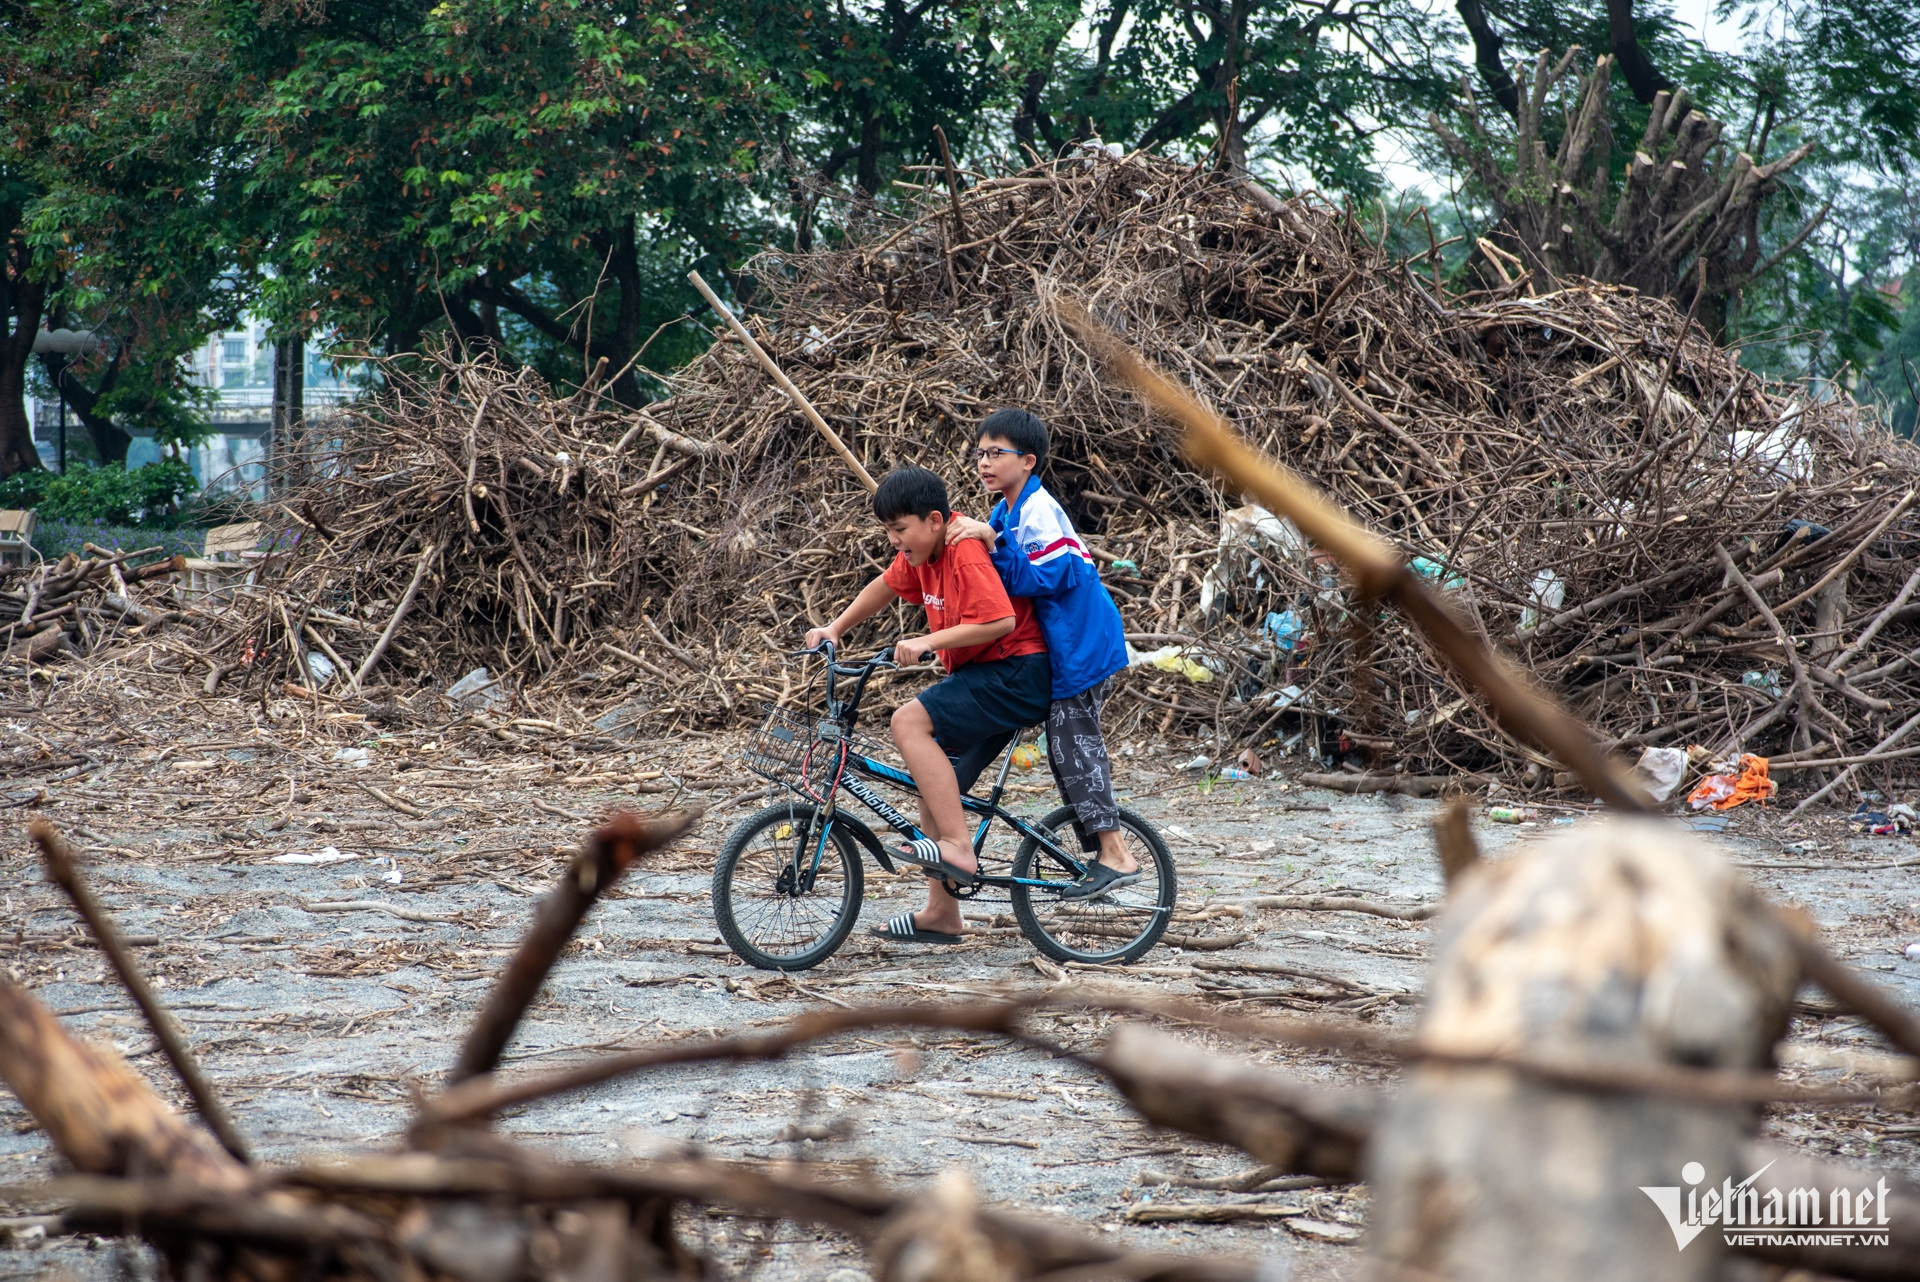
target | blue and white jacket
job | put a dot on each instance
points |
(1043, 559)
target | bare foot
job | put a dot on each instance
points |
(947, 923)
(1114, 853)
(960, 855)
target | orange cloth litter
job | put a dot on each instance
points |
(1724, 792)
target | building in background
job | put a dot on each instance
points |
(237, 366)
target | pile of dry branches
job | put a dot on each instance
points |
(1680, 550)
(466, 518)
(78, 605)
(1580, 456)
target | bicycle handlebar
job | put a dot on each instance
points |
(862, 671)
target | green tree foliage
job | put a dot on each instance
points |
(109, 179)
(453, 165)
(533, 177)
(109, 494)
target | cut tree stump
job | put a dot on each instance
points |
(1627, 944)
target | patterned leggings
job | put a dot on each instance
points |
(1077, 754)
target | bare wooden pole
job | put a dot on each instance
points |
(393, 624)
(62, 873)
(785, 384)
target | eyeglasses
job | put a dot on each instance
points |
(986, 453)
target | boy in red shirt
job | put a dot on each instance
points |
(999, 680)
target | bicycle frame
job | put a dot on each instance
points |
(841, 718)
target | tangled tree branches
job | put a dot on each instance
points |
(1686, 224)
(1565, 465)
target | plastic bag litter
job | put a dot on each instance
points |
(1436, 572)
(1660, 771)
(1246, 534)
(320, 668)
(478, 689)
(323, 856)
(1284, 630)
(353, 758)
(1727, 790)
(1173, 658)
(1549, 592)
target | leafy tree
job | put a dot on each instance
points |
(498, 168)
(1305, 84)
(1671, 167)
(107, 193)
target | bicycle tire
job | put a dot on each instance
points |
(1057, 926)
(837, 891)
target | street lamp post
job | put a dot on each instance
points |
(69, 343)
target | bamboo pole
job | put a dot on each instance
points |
(785, 384)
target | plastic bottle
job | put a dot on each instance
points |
(1510, 815)
(1234, 773)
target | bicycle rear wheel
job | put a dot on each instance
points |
(1119, 926)
(774, 909)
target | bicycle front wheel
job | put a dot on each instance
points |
(775, 909)
(1119, 926)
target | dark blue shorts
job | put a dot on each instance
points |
(977, 710)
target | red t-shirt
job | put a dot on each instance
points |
(961, 586)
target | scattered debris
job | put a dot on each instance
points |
(1734, 783)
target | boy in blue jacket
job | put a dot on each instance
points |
(1039, 556)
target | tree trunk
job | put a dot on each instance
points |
(109, 441)
(21, 304)
(289, 404)
(866, 174)
(1635, 67)
(625, 266)
(1486, 56)
(17, 453)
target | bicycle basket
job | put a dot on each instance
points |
(778, 749)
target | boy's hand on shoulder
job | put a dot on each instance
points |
(967, 527)
(911, 651)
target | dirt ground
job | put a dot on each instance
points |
(317, 1023)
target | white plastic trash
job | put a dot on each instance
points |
(478, 689)
(1548, 592)
(1246, 533)
(321, 857)
(320, 668)
(353, 758)
(1660, 771)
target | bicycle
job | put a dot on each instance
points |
(783, 902)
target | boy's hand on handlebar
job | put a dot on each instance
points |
(912, 650)
(816, 635)
(967, 527)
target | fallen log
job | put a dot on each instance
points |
(1341, 904)
(1405, 785)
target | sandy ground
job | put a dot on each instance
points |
(316, 1025)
